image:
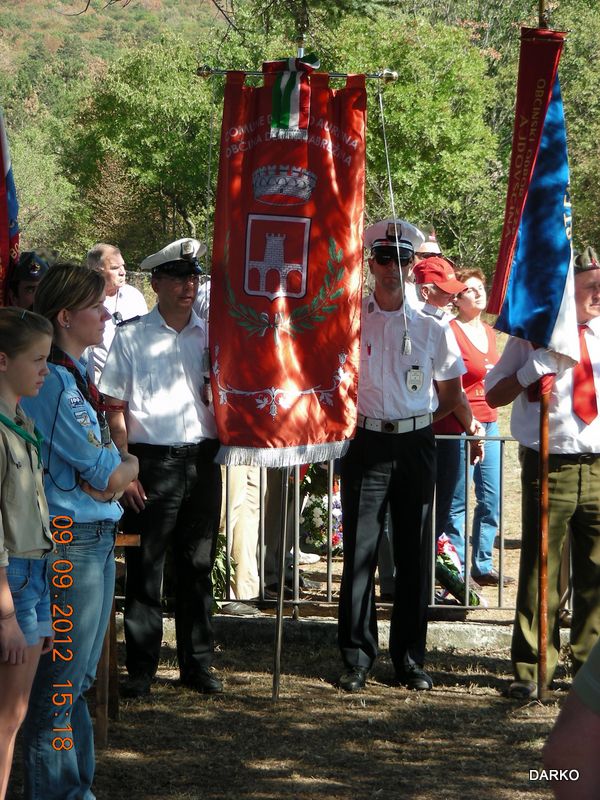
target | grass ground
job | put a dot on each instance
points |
(461, 741)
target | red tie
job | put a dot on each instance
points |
(585, 404)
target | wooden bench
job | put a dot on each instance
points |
(107, 674)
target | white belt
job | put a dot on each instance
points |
(394, 425)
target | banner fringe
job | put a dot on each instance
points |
(281, 456)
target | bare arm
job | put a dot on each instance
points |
(464, 414)
(504, 392)
(134, 496)
(449, 397)
(116, 421)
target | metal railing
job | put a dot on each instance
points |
(327, 595)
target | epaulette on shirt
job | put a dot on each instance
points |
(127, 321)
(432, 311)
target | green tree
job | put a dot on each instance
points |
(46, 197)
(579, 72)
(149, 113)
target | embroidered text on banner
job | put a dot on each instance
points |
(533, 284)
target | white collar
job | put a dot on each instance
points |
(156, 318)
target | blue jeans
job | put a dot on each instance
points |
(486, 476)
(449, 465)
(28, 582)
(59, 765)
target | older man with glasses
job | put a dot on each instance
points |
(390, 464)
(122, 302)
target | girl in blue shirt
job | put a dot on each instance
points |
(85, 476)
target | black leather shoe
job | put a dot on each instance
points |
(137, 686)
(204, 680)
(305, 585)
(414, 677)
(492, 578)
(354, 679)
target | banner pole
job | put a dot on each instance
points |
(543, 544)
(285, 482)
(543, 18)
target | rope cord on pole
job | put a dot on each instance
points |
(211, 128)
(406, 343)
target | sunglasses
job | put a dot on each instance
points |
(383, 258)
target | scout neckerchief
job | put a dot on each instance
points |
(87, 389)
(35, 439)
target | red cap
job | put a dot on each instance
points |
(439, 271)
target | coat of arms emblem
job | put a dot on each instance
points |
(276, 262)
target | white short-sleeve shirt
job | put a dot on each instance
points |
(567, 433)
(124, 304)
(159, 372)
(383, 391)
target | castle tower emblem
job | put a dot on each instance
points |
(276, 256)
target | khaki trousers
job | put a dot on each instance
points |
(574, 500)
(244, 510)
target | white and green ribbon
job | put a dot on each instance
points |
(290, 114)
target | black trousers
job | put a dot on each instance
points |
(381, 471)
(182, 511)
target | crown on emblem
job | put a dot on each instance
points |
(283, 180)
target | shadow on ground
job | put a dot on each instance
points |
(463, 740)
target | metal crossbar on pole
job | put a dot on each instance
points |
(386, 75)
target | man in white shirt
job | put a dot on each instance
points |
(154, 379)
(122, 300)
(574, 480)
(390, 464)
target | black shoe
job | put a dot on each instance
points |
(305, 585)
(522, 690)
(354, 679)
(414, 677)
(235, 608)
(204, 680)
(492, 578)
(308, 585)
(137, 686)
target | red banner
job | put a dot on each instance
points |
(286, 275)
(538, 64)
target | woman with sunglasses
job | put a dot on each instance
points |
(85, 475)
(477, 343)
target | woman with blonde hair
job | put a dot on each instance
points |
(85, 476)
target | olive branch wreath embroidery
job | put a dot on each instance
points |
(303, 318)
(272, 398)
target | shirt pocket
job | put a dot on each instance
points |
(146, 383)
(364, 364)
(15, 484)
